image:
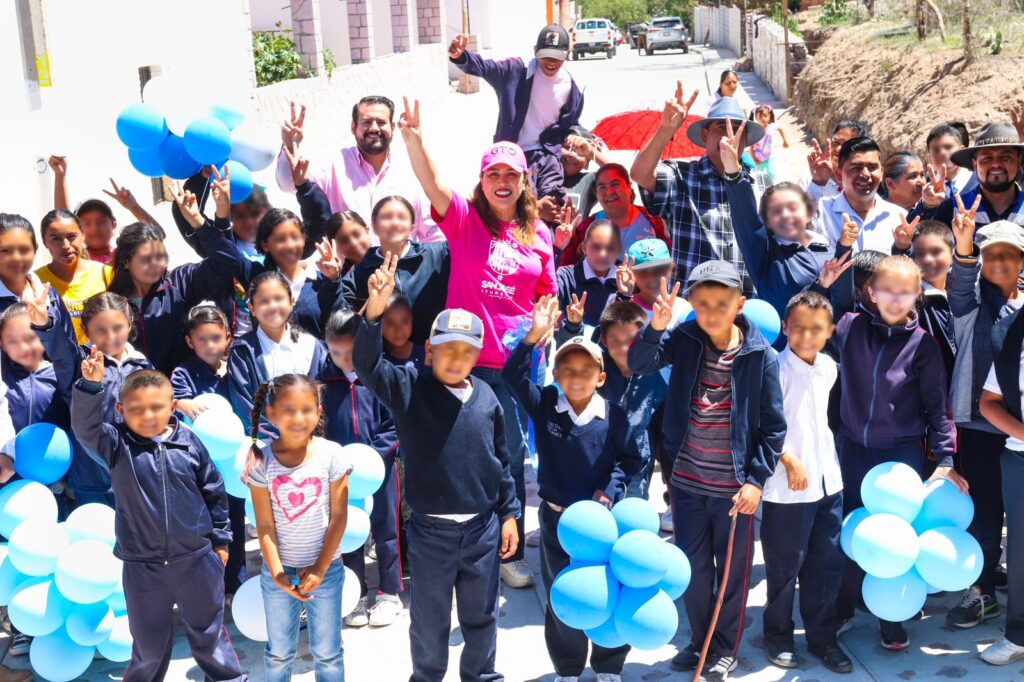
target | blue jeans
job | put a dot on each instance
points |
(324, 627)
(515, 437)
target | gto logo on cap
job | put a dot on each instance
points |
(551, 39)
(460, 320)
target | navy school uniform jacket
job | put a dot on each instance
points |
(160, 315)
(417, 358)
(937, 320)
(67, 357)
(571, 280)
(171, 502)
(247, 370)
(513, 85)
(354, 415)
(422, 276)
(194, 377)
(575, 460)
(455, 454)
(59, 315)
(758, 423)
(640, 395)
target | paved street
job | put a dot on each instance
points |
(457, 128)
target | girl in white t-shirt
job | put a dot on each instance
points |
(299, 486)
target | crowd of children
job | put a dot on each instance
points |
(418, 327)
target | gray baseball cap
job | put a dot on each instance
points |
(720, 271)
(1000, 232)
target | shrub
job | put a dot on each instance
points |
(275, 57)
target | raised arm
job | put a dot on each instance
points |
(494, 72)
(962, 286)
(98, 438)
(438, 194)
(59, 342)
(751, 233)
(651, 349)
(197, 185)
(673, 117)
(516, 371)
(124, 196)
(59, 166)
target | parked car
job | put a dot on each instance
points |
(667, 33)
(593, 36)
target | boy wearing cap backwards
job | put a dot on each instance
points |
(586, 452)
(463, 500)
(539, 103)
(725, 422)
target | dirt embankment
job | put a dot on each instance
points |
(902, 89)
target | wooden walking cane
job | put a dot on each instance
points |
(718, 601)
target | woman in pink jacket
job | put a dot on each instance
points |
(502, 261)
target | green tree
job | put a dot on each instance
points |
(622, 12)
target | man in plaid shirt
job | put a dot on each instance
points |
(690, 195)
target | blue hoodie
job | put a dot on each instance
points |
(354, 415)
(758, 422)
(171, 502)
(247, 370)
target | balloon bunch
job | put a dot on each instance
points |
(366, 477)
(61, 582)
(911, 539)
(622, 578)
(178, 128)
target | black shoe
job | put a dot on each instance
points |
(894, 637)
(999, 577)
(782, 654)
(834, 658)
(974, 608)
(687, 659)
(718, 669)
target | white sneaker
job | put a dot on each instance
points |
(516, 574)
(1002, 652)
(533, 538)
(385, 610)
(608, 677)
(564, 678)
(372, 552)
(20, 644)
(359, 616)
(250, 530)
(666, 521)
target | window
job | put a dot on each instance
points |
(602, 24)
(667, 23)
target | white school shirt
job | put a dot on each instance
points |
(805, 391)
(818, 192)
(547, 97)
(588, 272)
(992, 386)
(595, 409)
(875, 230)
(287, 357)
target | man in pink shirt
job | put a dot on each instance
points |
(356, 178)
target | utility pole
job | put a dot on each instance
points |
(785, 43)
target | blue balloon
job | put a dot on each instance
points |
(677, 577)
(10, 577)
(146, 161)
(850, 524)
(247, 610)
(43, 453)
(233, 483)
(208, 140)
(949, 558)
(587, 531)
(118, 646)
(884, 545)
(221, 433)
(228, 115)
(638, 559)
(646, 618)
(944, 505)
(241, 181)
(893, 488)
(141, 126)
(366, 504)
(89, 624)
(92, 521)
(635, 513)
(175, 160)
(895, 599)
(116, 601)
(357, 530)
(22, 500)
(35, 545)
(37, 607)
(606, 635)
(367, 469)
(584, 597)
(87, 572)
(764, 317)
(58, 658)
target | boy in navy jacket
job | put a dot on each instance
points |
(586, 450)
(354, 415)
(725, 424)
(171, 519)
(463, 500)
(538, 125)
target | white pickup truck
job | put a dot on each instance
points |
(591, 36)
(667, 33)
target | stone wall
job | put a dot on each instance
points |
(767, 47)
(718, 27)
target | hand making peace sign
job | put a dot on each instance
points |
(903, 234)
(730, 146)
(664, 306)
(674, 115)
(964, 226)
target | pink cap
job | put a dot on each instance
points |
(508, 153)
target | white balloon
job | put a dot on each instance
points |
(350, 592)
(213, 402)
(247, 610)
(253, 147)
(159, 91)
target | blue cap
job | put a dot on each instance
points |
(649, 253)
(456, 324)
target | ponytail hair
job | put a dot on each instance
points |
(265, 395)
